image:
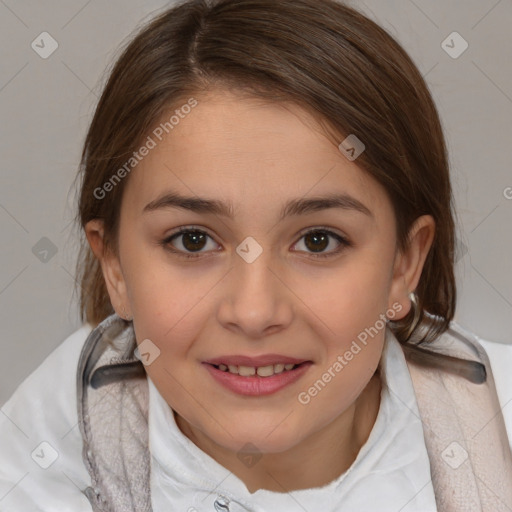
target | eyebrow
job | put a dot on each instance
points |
(299, 206)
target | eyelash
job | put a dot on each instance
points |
(165, 243)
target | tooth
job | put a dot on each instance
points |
(246, 371)
(262, 371)
(265, 371)
(278, 368)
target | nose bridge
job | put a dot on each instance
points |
(255, 299)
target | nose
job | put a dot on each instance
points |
(256, 300)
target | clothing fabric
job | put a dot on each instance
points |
(41, 465)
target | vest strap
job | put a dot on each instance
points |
(465, 433)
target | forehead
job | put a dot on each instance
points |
(248, 152)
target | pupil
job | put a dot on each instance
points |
(319, 236)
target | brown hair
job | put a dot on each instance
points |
(320, 54)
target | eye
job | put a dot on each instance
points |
(187, 239)
(318, 239)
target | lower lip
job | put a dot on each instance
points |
(257, 386)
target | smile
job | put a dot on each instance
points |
(257, 381)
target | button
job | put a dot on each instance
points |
(221, 504)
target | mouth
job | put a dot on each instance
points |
(257, 380)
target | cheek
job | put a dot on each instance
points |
(336, 385)
(349, 298)
(350, 320)
(160, 291)
(162, 302)
(169, 314)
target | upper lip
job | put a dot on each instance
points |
(263, 360)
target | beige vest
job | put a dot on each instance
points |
(465, 435)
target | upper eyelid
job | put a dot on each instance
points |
(328, 229)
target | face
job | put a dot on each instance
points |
(264, 267)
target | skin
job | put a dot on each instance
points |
(259, 155)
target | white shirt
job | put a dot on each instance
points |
(392, 468)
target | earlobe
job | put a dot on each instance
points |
(110, 267)
(409, 263)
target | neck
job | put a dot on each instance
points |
(327, 454)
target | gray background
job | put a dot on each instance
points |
(46, 105)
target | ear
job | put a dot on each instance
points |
(408, 265)
(110, 266)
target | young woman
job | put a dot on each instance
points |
(267, 286)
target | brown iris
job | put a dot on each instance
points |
(320, 240)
